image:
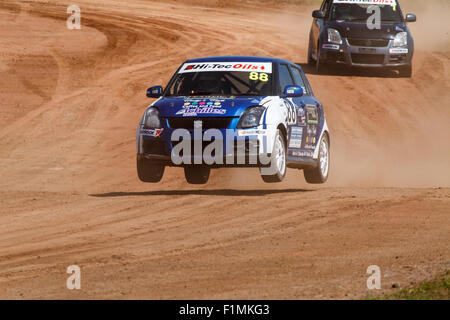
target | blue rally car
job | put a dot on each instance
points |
(234, 112)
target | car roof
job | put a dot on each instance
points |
(238, 59)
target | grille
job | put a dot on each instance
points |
(207, 123)
(203, 145)
(375, 43)
(335, 56)
(244, 153)
(367, 58)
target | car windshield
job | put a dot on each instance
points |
(358, 12)
(197, 80)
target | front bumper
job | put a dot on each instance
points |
(371, 53)
(244, 149)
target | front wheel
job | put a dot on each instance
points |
(197, 174)
(149, 171)
(277, 170)
(319, 174)
(319, 64)
(311, 60)
(405, 72)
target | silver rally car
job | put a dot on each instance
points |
(361, 33)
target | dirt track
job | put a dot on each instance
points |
(69, 194)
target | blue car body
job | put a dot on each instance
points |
(297, 114)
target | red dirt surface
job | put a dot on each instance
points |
(69, 193)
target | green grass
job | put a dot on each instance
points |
(436, 289)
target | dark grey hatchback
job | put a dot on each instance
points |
(362, 33)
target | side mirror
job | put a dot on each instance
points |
(411, 17)
(318, 14)
(154, 92)
(293, 92)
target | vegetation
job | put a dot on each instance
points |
(436, 289)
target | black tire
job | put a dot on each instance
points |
(311, 60)
(316, 175)
(405, 72)
(319, 64)
(197, 174)
(280, 172)
(149, 171)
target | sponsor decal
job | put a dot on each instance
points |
(251, 132)
(302, 153)
(151, 132)
(372, 2)
(192, 108)
(192, 111)
(265, 67)
(398, 50)
(311, 130)
(295, 140)
(310, 142)
(301, 117)
(255, 76)
(312, 115)
(331, 46)
(291, 115)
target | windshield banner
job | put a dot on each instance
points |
(380, 2)
(227, 66)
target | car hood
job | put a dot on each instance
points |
(206, 106)
(359, 30)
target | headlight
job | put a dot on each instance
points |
(334, 36)
(401, 39)
(151, 119)
(251, 117)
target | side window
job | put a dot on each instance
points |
(285, 77)
(297, 74)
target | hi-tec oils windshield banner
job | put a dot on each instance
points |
(372, 2)
(265, 67)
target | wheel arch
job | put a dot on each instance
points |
(283, 130)
(328, 136)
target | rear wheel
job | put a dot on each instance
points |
(197, 174)
(277, 161)
(405, 72)
(319, 174)
(149, 171)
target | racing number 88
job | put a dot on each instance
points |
(264, 77)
